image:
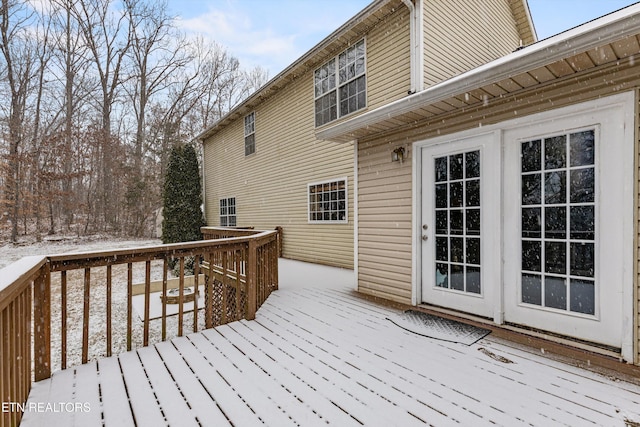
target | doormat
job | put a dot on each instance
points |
(439, 328)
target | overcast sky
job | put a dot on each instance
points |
(274, 33)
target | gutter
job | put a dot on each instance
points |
(413, 53)
(605, 30)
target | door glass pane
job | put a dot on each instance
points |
(558, 181)
(457, 217)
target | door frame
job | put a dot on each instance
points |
(626, 104)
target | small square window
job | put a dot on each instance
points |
(328, 201)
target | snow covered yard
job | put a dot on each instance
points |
(316, 354)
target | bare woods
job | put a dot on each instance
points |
(93, 95)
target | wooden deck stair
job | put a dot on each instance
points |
(324, 356)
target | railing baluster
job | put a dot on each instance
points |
(147, 300)
(225, 303)
(252, 263)
(85, 315)
(208, 298)
(196, 273)
(109, 347)
(42, 324)
(238, 263)
(181, 297)
(5, 370)
(165, 266)
(63, 322)
(129, 296)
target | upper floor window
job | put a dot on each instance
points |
(250, 134)
(341, 85)
(228, 212)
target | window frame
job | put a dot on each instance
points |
(334, 87)
(225, 217)
(346, 201)
(250, 134)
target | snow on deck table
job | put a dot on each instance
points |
(324, 356)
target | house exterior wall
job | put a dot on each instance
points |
(270, 186)
(385, 188)
(459, 36)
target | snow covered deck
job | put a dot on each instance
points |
(321, 355)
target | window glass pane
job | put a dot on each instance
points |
(473, 280)
(442, 275)
(531, 289)
(582, 296)
(555, 149)
(531, 222)
(441, 196)
(441, 169)
(457, 277)
(473, 251)
(555, 222)
(531, 155)
(582, 185)
(581, 148)
(457, 249)
(456, 221)
(455, 167)
(555, 187)
(441, 222)
(455, 194)
(582, 259)
(555, 257)
(531, 255)
(472, 164)
(473, 222)
(555, 292)
(442, 249)
(473, 193)
(531, 189)
(582, 222)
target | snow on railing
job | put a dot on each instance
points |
(82, 296)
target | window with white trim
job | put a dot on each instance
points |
(328, 201)
(249, 134)
(337, 97)
(228, 212)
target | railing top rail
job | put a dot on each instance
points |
(16, 276)
(125, 255)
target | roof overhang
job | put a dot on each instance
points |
(606, 40)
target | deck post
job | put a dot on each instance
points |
(42, 324)
(252, 278)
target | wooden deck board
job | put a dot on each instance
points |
(323, 356)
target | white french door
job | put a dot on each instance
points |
(459, 228)
(564, 233)
(530, 222)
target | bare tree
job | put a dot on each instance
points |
(106, 32)
(18, 56)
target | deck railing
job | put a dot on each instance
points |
(239, 269)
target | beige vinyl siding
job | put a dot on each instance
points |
(384, 222)
(388, 60)
(270, 186)
(386, 270)
(461, 35)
